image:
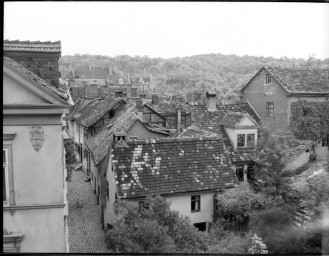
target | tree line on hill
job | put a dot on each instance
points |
(188, 76)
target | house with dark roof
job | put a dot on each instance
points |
(272, 90)
(188, 172)
(124, 126)
(35, 206)
(237, 124)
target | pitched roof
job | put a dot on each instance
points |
(79, 104)
(298, 79)
(171, 166)
(231, 119)
(290, 147)
(59, 91)
(211, 120)
(196, 133)
(34, 46)
(94, 111)
(122, 121)
(170, 107)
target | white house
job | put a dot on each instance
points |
(188, 172)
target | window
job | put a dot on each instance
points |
(143, 205)
(5, 183)
(325, 142)
(268, 79)
(239, 172)
(195, 203)
(7, 175)
(202, 226)
(269, 109)
(250, 140)
(241, 139)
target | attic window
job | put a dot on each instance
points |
(111, 113)
(268, 79)
(241, 140)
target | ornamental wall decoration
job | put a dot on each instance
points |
(37, 137)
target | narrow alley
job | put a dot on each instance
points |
(85, 232)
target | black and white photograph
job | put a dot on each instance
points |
(166, 127)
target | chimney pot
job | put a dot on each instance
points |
(211, 100)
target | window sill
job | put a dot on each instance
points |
(195, 211)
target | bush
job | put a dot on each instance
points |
(154, 230)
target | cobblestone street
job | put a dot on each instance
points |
(85, 232)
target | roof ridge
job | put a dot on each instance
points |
(173, 139)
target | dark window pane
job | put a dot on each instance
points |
(241, 139)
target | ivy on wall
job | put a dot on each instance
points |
(309, 120)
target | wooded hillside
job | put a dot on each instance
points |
(222, 73)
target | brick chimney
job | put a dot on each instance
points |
(211, 100)
(119, 139)
(139, 106)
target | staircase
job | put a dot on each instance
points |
(302, 217)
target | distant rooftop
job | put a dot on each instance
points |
(32, 46)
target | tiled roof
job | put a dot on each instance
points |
(194, 133)
(93, 112)
(171, 166)
(122, 121)
(170, 107)
(35, 46)
(79, 104)
(298, 79)
(290, 147)
(302, 79)
(294, 146)
(59, 91)
(211, 120)
(232, 118)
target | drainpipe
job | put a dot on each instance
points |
(178, 121)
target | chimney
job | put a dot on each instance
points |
(139, 106)
(179, 117)
(211, 100)
(118, 94)
(133, 91)
(119, 139)
(155, 102)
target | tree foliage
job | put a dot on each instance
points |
(258, 246)
(155, 230)
(309, 120)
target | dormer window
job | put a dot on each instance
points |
(268, 79)
(119, 139)
(241, 141)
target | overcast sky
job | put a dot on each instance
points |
(174, 29)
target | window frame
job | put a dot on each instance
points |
(268, 79)
(194, 199)
(269, 109)
(244, 141)
(7, 145)
(6, 176)
(325, 142)
(253, 140)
